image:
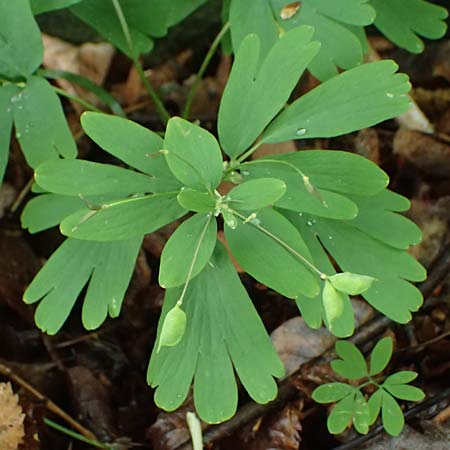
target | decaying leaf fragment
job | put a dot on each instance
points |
(11, 419)
(290, 10)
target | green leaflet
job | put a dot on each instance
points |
(380, 356)
(193, 155)
(41, 6)
(333, 302)
(361, 414)
(375, 405)
(352, 365)
(132, 143)
(341, 415)
(418, 18)
(181, 9)
(358, 98)
(332, 392)
(188, 250)
(223, 330)
(106, 267)
(256, 194)
(405, 376)
(123, 219)
(21, 48)
(405, 392)
(83, 178)
(267, 259)
(41, 127)
(392, 415)
(351, 283)
(6, 122)
(251, 91)
(196, 201)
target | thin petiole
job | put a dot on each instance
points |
(77, 99)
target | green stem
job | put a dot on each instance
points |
(202, 70)
(283, 244)
(161, 109)
(250, 152)
(77, 99)
(194, 259)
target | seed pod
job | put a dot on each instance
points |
(351, 283)
(333, 303)
(173, 328)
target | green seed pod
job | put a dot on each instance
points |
(173, 328)
(333, 303)
(351, 283)
(229, 218)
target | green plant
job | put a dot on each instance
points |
(339, 26)
(280, 220)
(352, 405)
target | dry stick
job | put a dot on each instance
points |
(55, 409)
(287, 391)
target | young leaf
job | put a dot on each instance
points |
(41, 6)
(405, 392)
(403, 377)
(193, 200)
(351, 283)
(392, 415)
(380, 356)
(211, 344)
(251, 92)
(21, 48)
(77, 177)
(341, 415)
(132, 143)
(256, 194)
(123, 219)
(332, 392)
(375, 405)
(173, 328)
(267, 255)
(107, 267)
(188, 250)
(193, 155)
(41, 126)
(361, 414)
(358, 98)
(352, 365)
(418, 17)
(333, 303)
(6, 122)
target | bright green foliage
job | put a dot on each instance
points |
(403, 21)
(351, 283)
(223, 330)
(41, 6)
(75, 264)
(173, 328)
(352, 405)
(333, 303)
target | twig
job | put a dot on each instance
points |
(287, 392)
(22, 194)
(53, 407)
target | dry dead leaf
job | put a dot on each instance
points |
(290, 10)
(11, 419)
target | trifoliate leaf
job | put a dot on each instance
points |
(41, 6)
(107, 269)
(266, 248)
(123, 219)
(41, 126)
(405, 392)
(403, 377)
(333, 303)
(358, 98)
(375, 405)
(173, 328)
(352, 365)
(403, 21)
(361, 414)
(132, 143)
(341, 415)
(193, 155)
(223, 330)
(21, 48)
(251, 91)
(256, 194)
(196, 201)
(332, 392)
(351, 283)
(188, 250)
(381, 355)
(6, 93)
(392, 415)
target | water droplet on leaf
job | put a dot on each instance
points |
(301, 132)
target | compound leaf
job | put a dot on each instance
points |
(223, 330)
(193, 155)
(341, 415)
(358, 98)
(41, 126)
(403, 21)
(264, 256)
(251, 91)
(192, 243)
(123, 219)
(332, 392)
(21, 48)
(106, 268)
(392, 415)
(381, 355)
(352, 365)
